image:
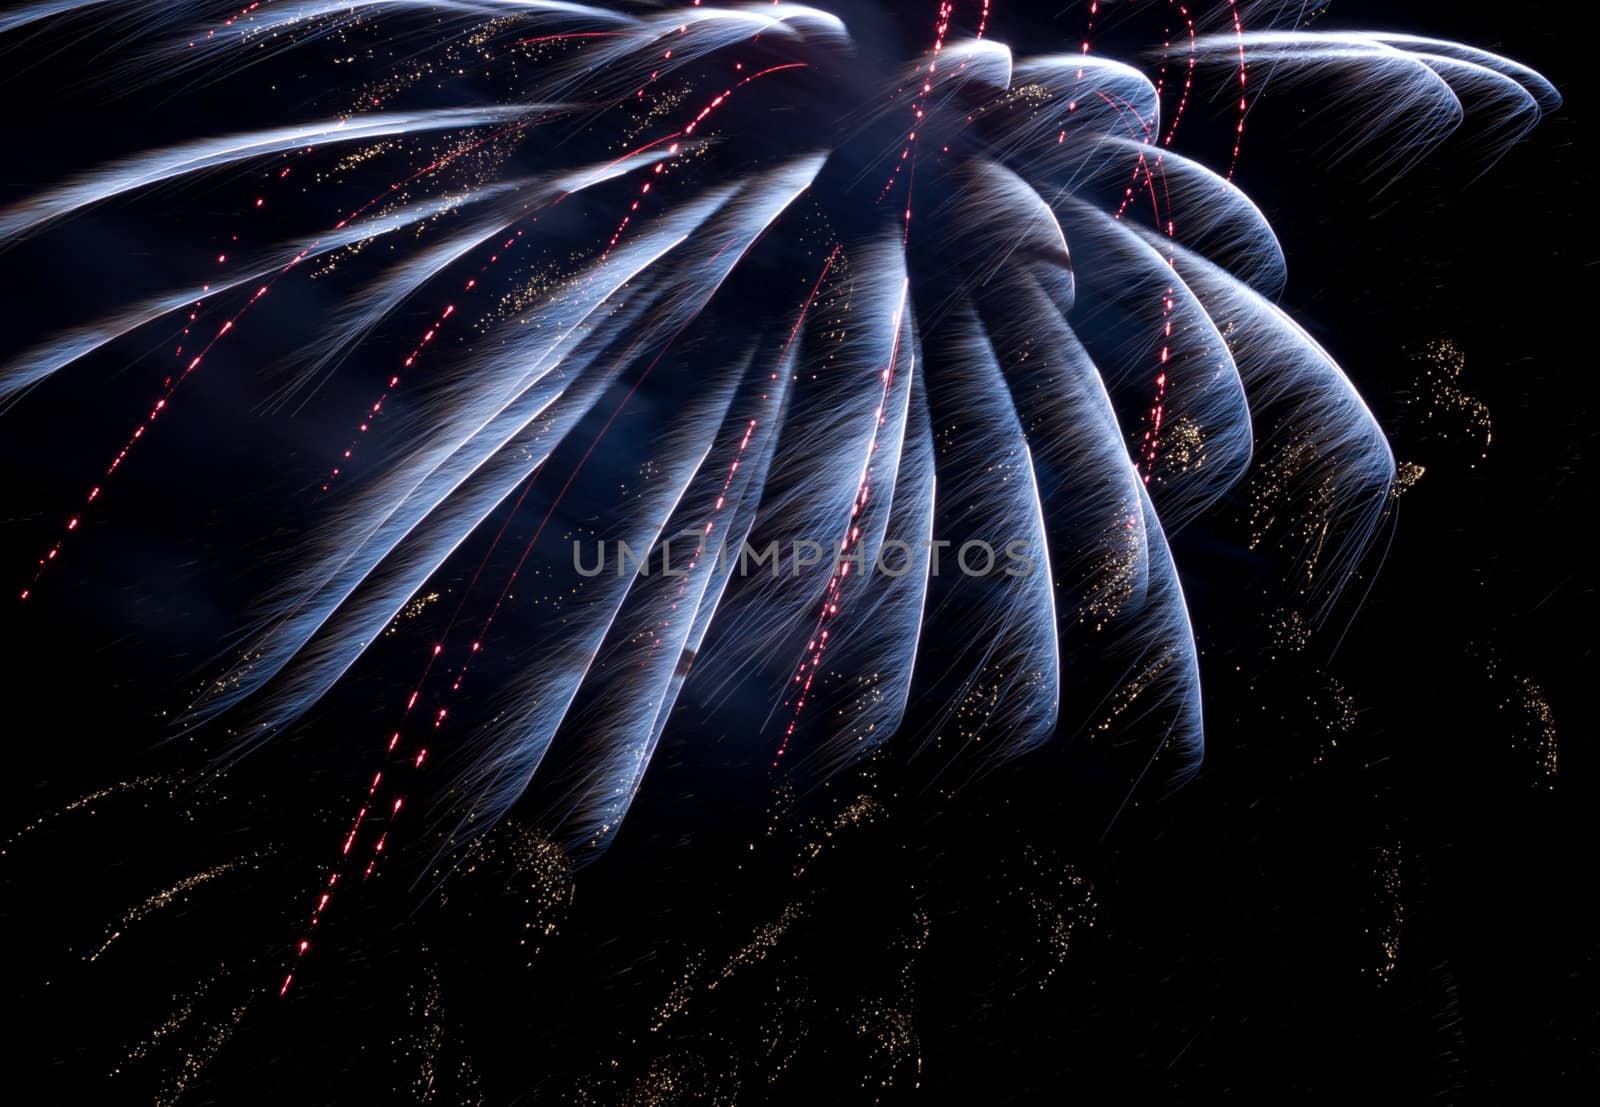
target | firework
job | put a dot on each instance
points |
(901, 293)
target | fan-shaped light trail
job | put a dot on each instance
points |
(325, 896)
(1190, 61)
(1150, 169)
(472, 283)
(171, 385)
(1077, 349)
(660, 166)
(704, 535)
(672, 151)
(849, 544)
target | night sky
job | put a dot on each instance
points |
(1377, 886)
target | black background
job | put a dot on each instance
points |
(1237, 925)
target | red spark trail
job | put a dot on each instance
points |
(1188, 77)
(577, 34)
(818, 643)
(806, 674)
(702, 535)
(1244, 107)
(1151, 443)
(688, 130)
(941, 29)
(527, 551)
(303, 945)
(170, 386)
(727, 483)
(375, 408)
(505, 592)
(658, 169)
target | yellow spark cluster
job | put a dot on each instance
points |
(412, 610)
(164, 899)
(1290, 496)
(678, 999)
(431, 1041)
(761, 943)
(832, 310)
(1406, 476)
(1063, 909)
(195, 1062)
(1440, 394)
(1539, 732)
(662, 104)
(1029, 98)
(1533, 719)
(1338, 717)
(169, 1026)
(433, 1081)
(1291, 632)
(82, 803)
(544, 875)
(364, 154)
(1114, 571)
(1184, 448)
(1390, 887)
(888, 1023)
(983, 697)
(544, 284)
(668, 1081)
(869, 694)
(235, 677)
(1130, 692)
